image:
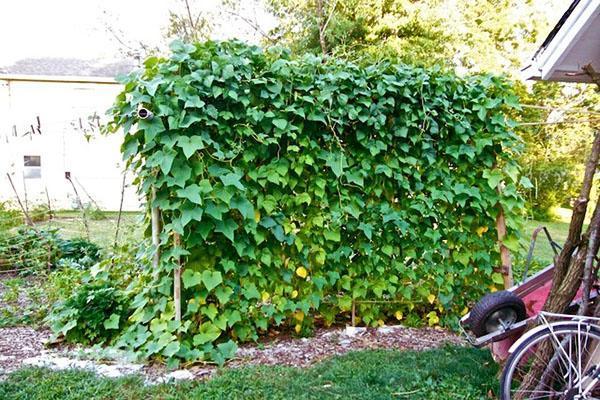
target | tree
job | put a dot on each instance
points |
(353, 28)
(474, 35)
(552, 159)
(188, 23)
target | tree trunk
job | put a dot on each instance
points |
(593, 246)
(557, 297)
(569, 266)
(322, 27)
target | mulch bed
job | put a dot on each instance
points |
(26, 344)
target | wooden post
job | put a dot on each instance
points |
(156, 227)
(507, 275)
(177, 280)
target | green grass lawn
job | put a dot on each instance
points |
(543, 251)
(102, 228)
(543, 254)
(442, 374)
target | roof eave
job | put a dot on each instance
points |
(555, 49)
(59, 79)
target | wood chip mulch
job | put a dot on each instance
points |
(329, 342)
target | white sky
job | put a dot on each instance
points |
(77, 28)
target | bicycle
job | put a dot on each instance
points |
(571, 368)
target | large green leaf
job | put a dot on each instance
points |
(232, 179)
(190, 145)
(191, 192)
(227, 228)
(211, 279)
(191, 278)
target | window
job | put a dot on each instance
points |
(32, 167)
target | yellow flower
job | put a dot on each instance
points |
(265, 296)
(481, 230)
(294, 294)
(298, 328)
(399, 315)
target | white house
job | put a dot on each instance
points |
(49, 117)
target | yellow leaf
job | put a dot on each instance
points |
(433, 318)
(493, 289)
(265, 296)
(464, 311)
(431, 298)
(380, 322)
(298, 328)
(257, 216)
(294, 294)
(301, 272)
(481, 230)
(299, 315)
(398, 315)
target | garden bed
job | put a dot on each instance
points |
(25, 347)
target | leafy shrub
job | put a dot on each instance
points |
(298, 186)
(78, 252)
(30, 248)
(10, 217)
(92, 314)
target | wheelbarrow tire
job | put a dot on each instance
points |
(492, 303)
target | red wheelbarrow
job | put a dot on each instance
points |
(500, 318)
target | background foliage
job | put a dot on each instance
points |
(300, 185)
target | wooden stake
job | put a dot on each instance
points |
(507, 274)
(27, 217)
(120, 211)
(156, 227)
(29, 221)
(177, 280)
(80, 204)
(50, 213)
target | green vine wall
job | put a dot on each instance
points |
(300, 184)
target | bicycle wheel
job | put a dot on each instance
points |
(568, 368)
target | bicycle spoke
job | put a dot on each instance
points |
(563, 355)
